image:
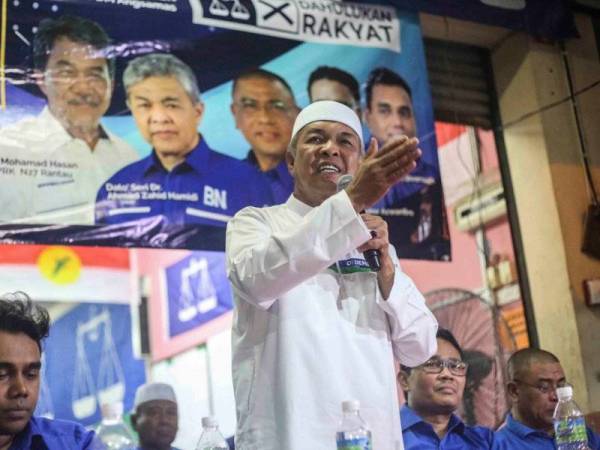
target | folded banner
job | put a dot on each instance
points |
(70, 274)
(154, 132)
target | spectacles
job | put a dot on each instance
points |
(544, 387)
(251, 107)
(436, 365)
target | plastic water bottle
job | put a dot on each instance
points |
(211, 438)
(113, 433)
(569, 424)
(353, 432)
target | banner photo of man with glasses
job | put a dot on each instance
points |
(155, 131)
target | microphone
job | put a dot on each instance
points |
(372, 256)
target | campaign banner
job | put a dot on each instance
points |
(151, 123)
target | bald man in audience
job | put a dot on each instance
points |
(533, 376)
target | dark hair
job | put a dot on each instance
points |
(261, 73)
(446, 335)
(335, 74)
(74, 28)
(383, 75)
(520, 361)
(18, 314)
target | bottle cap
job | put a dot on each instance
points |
(350, 406)
(112, 410)
(209, 421)
(564, 392)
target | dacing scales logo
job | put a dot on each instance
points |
(324, 21)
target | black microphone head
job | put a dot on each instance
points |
(343, 182)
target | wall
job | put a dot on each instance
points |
(550, 193)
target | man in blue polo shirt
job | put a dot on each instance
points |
(434, 391)
(183, 180)
(23, 325)
(264, 110)
(534, 375)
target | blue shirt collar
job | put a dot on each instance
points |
(197, 159)
(30, 437)
(281, 170)
(410, 418)
(521, 429)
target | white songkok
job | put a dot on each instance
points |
(330, 111)
(154, 391)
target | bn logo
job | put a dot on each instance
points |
(217, 198)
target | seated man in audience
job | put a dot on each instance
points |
(155, 417)
(533, 376)
(23, 325)
(434, 391)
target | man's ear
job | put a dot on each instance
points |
(513, 391)
(402, 379)
(199, 110)
(289, 159)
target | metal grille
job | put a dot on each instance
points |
(461, 85)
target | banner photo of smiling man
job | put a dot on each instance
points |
(252, 61)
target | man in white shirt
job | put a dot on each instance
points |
(313, 324)
(53, 164)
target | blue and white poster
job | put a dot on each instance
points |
(90, 347)
(197, 291)
(150, 123)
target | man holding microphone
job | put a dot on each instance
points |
(314, 325)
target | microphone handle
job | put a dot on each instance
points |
(373, 258)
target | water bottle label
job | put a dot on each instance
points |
(570, 430)
(363, 443)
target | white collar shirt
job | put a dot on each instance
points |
(48, 176)
(307, 337)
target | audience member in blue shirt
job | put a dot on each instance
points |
(264, 110)
(434, 391)
(182, 180)
(155, 417)
(533, 375)
(23, 325)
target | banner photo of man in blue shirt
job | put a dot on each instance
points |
(252, 62)
(183, 180)
(264, 109)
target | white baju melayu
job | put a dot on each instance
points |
(306, 336)
(48, 176)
